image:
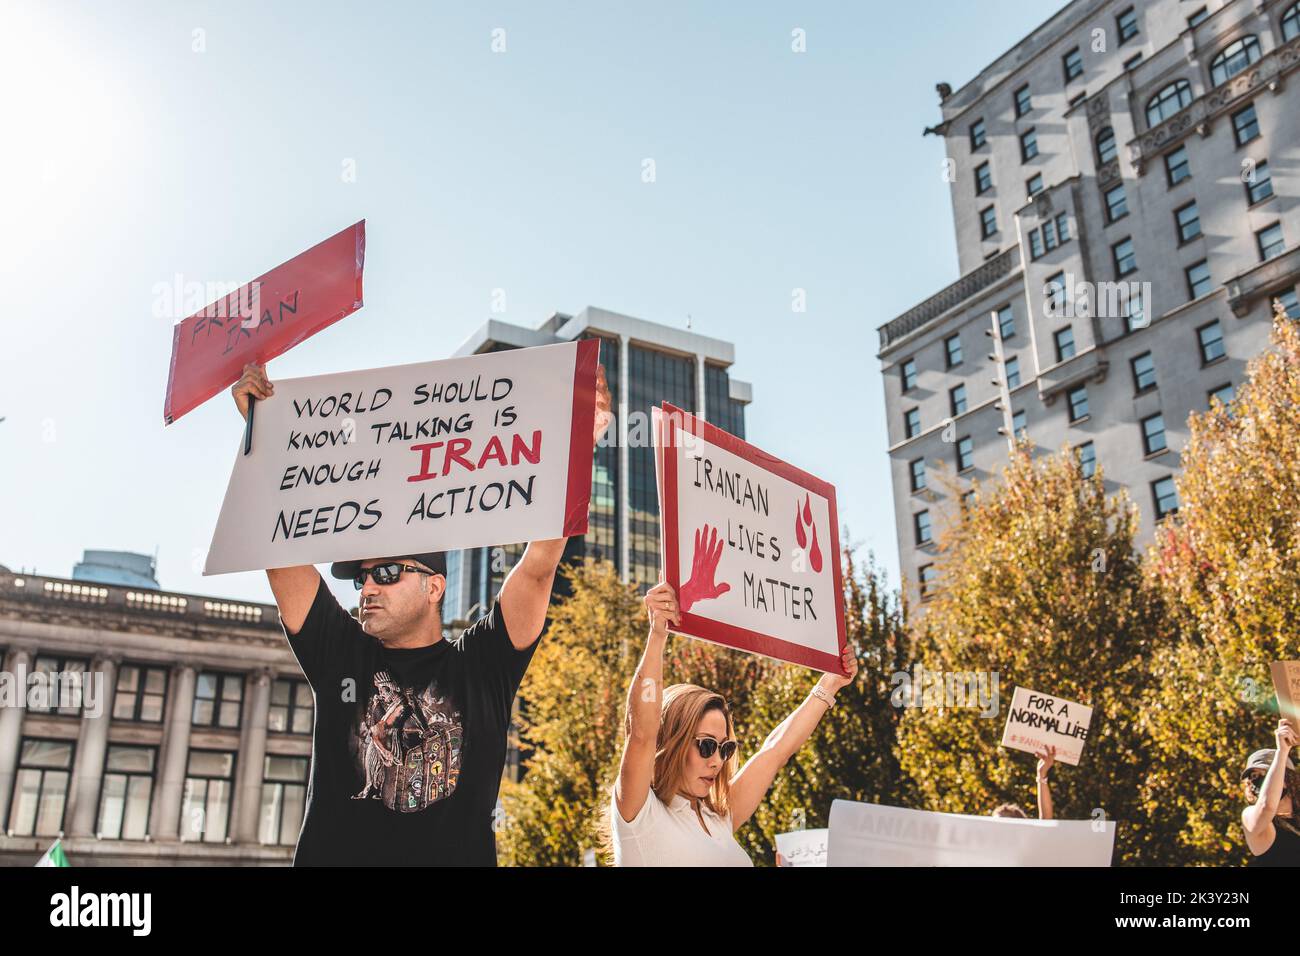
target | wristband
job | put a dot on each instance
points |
(824, 697)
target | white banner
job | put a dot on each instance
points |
(468, 452)
(867, 834)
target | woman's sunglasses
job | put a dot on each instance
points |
(385, 573)
(708, 747)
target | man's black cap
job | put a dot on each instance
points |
(435, 561)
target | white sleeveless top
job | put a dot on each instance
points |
(671, 835)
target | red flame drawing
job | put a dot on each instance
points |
(800, 536)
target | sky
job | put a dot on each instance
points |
(496, 151)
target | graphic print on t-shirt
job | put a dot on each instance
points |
(407, 746)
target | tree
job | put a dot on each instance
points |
(1228, 565)
(1039, 586)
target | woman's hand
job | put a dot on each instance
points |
(253, 384)
(1286, 737)
(661, 605)
(1046, 758)
(830, 683)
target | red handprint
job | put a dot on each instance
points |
(704, 565)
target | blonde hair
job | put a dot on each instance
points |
(1010, 810)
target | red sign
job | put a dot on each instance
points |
(264, 318)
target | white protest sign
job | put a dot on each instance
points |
(1286, 684)
(867, 834)
(462, 453)
(751, 546)
(802, 847)
(1039, 720)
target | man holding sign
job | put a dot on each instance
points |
(410, 737)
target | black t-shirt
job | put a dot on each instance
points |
(409, 745)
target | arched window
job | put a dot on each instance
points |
(1105, 146)
(1168, 102)
(1291, 23)
(1233, 58)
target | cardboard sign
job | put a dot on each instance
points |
(264, 318)
(1286, 683)
(802, 847)
(463, 453)
(867, 834)
(751, 546)
(1039, 720)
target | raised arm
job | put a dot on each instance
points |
(1045, 761)
(1258, 817)
(294, 588)
(644, 700)
(751, 784)
(526, 592)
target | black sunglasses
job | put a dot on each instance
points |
(708, 747)
(385, 573)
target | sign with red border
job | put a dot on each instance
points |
(751, 546)
(463, 453)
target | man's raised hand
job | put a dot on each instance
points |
(253, 384)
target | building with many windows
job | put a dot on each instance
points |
(1124, 190)
(645, 364)
(145, 726)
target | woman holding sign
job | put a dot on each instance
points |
(679, 797)
(1272, 831)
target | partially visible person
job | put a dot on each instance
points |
(1046, 759)
(679, 798)
(1269, 781)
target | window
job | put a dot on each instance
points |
(912, 422)
(1165, 495)
(1023, 103)
(1064, 343)
(1028, 145)
(1224, 394)
(127, 791)
(983, 178)
(1063, 226)
(1035, 244)
(1271, 243)
(957, 400)
(62, 682)
(988, 222)
(205, 807)
(1107, 150)
(1127, 23)
(1211, 339)
(1073, 64)
(1087, 458)
(1049, 235)
(1133, 61)
(1006, 322)
(908, 372)
(141, 692)
(1176, 166)
(1153, 434)
(1168, 101)
(284, 797)
(1198, 279)
(965, 453)
(952, 347)
(1200, 16)
(1055, 292)
(921, 522)
(1291, 23)
(1144, 373)
(916, 467)
(1188, 220)
(1078, 399)
(216, 699)
(1013, 372)
(1018, 423)
(1259, 183)
(977, 135)
(1116, 204)
(928, 575)
(40, 787)
(1245, 125)
(1232, 59)
(292, 708)
(1289, 303)
(1134, 316)
(1124, 256)
(1034, 185)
